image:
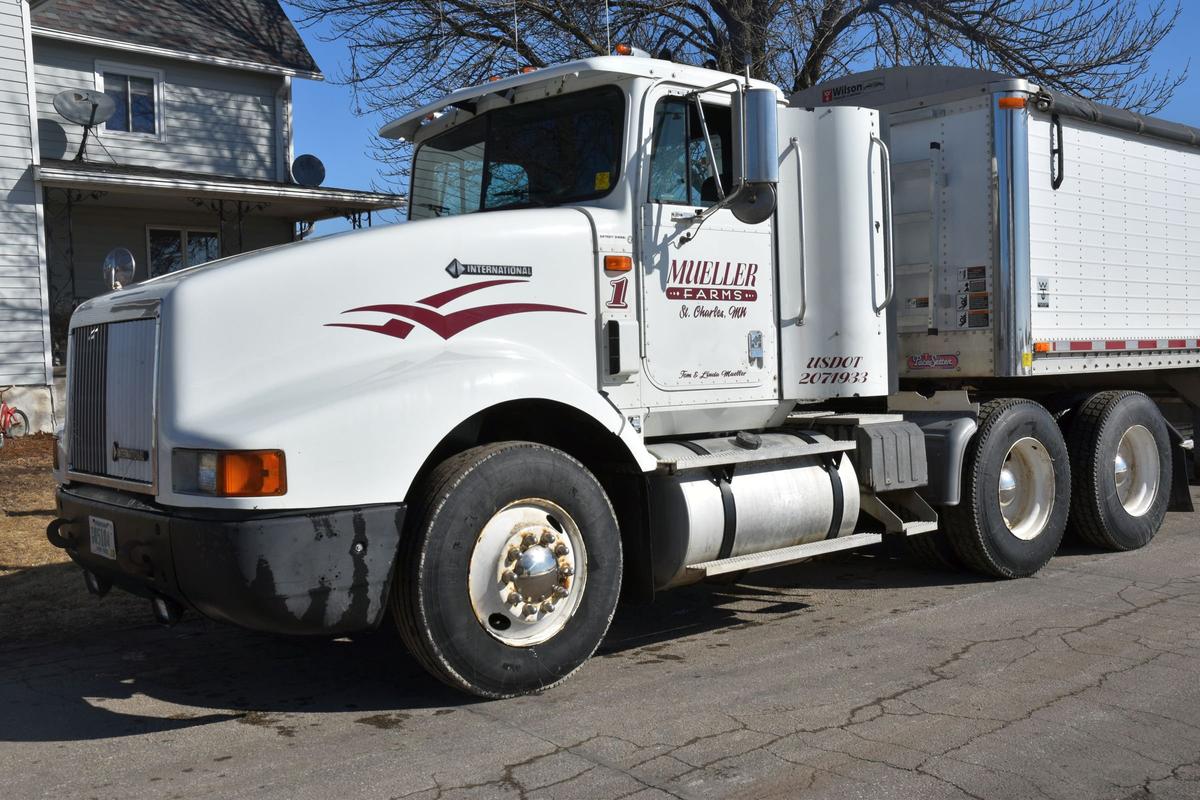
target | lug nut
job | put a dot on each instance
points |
(566, 571)
(561, 591)
(529, 610)
(514, 599)
(529, 540)
(513, 555)
(547, 537)
(509, 576)
(547, 607)
(560, 550)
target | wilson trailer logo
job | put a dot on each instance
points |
(851, 90)
(407, 317)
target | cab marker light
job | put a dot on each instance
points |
(230, 473)
(623, 49)
(618, 263)
(526, 70)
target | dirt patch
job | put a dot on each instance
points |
(42, 595)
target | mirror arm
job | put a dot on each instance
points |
(702, 217)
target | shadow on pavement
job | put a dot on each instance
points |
(71, 688)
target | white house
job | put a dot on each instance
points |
(193, 165)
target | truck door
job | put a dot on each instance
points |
(708, 290)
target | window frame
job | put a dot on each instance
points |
(184, 231)
(133, 71)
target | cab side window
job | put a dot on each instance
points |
(680, 169)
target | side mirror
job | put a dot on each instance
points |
(119, 268)
(760, 170)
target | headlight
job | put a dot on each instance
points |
(229, 473)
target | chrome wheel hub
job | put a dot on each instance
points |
(527, 572)
(1026, 488)
(1136, 470)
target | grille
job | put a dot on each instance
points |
(86, 406)
(111, 405)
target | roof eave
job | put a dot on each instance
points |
(212, 187)
(177, 55)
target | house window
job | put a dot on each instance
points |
(138, 95)
(171, 249)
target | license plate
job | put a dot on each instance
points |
(104, 537)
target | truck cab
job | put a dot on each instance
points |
(636, 333)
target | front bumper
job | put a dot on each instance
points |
(321, 571)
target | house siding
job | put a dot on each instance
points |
(22, 299)
(214, 120)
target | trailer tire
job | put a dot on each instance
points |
(1012, 530)
(456, 577)
(1121, 464)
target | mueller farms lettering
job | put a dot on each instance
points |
(729, 281)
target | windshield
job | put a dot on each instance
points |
(548, 152)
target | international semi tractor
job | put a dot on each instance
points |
(650, 324)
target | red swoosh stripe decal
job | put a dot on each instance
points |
(457, 322)
(441, 298)
(393, 327)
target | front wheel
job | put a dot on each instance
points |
(510, 570)
(1016, 491)
(18, 425)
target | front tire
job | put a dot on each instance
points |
(510, 570)
(1121, 464)
(1016, 492)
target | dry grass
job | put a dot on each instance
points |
(42, 595)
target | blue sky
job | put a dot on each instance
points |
(327, 125)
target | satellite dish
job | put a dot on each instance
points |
(85, 107)
(307, 170)
(119, 267)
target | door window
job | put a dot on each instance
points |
(680, 168)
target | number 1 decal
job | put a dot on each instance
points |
(620, 289)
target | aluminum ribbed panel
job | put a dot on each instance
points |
(129, 399)
(86, 409)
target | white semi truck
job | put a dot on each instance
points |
(650, 324)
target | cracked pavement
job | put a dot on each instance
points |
(852, 677)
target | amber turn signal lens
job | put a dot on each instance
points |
(527, 70)
(618, 263)
(251, 473)
(1041, 347)
(623, 50)
(1011, 103)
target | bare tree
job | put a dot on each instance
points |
(408, 51)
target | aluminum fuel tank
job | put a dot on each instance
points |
(703, 514)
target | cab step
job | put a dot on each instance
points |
(766, 449)
(784, 555)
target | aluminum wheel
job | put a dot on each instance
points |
(1027, 488)
(1136, 470)
(528, 572)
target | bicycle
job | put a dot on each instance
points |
(13, 421)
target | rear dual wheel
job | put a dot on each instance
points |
(1016, 492)
(1121, 465)
(510, 570)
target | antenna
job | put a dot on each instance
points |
(85, 107)
(307, 170)
(607, 30)
(516, 35)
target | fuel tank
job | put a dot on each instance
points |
(704, 514)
